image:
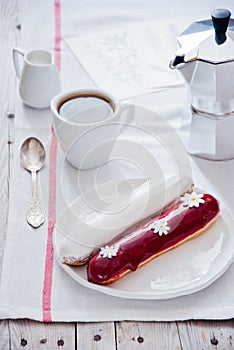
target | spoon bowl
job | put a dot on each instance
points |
(32, 154)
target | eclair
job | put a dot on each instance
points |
(91, 231)
(192, 215)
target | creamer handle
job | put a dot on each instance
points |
(15, 54)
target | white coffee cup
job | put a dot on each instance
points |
(87, 123)
(38, 77)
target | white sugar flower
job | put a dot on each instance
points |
(160, 227)
(108, 252)
(192, 199)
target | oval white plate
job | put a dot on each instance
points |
(189, 268)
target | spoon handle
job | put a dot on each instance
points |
(35, 215)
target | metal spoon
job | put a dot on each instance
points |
(32, 154)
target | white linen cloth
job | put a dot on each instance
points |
(21, 290)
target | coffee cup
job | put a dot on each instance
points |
(87, 123)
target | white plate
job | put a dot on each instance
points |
(189, 268)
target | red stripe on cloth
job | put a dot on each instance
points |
(57, 9)
(49, 258)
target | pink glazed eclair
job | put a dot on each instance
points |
(190, 217)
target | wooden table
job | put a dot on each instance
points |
(17, 334)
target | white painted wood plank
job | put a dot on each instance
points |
(96, 336)
(4, 335)
(207, 335)
(147, 336)
(8, 30)
(47, 336)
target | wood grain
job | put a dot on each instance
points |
(147, 336)
(35, 335)
(8, 32)
(4, 335)
(207, 335)
(96, 336)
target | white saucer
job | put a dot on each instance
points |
(189, 268)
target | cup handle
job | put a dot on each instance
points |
(15, 52)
